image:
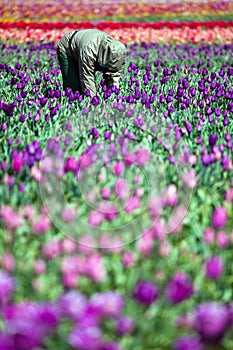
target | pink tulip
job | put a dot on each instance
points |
(128, 259)
(111, 243)
(85, 160)
(39, 266)
(119, 168)
(95, 268)
(8, 262)
(106, 193)
(95, 218)
(86, 243)
(142, 156)
(159, 229)
(68, 214)
(69, 280)
(139, 192)
(133, 204)
(10, 218)
(28, 212)
(138, 179)
(122, 189)
(42, 225)
(209, 235)
(164, 249)
(155, 206)
(17, 164)
(219, 217)
(91, 196)
(71, 164)
(190, 179)
(171, 195)
(130, 158)
(229, 195)
(37, 284)
(145, 243)
(222, 239)
(175, 222)
(47, 164)
(52, 249)
(108, 210)
(68, 245)
(36, 173)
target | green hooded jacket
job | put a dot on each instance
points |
(94, 50)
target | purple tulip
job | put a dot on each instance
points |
(21, 187)
(17, 65)
(7, 287)
(71, 164)
(85, 110)
(209, 110)
(71, 96)
(17, 164)
(108, 304)
(53, 111)
(31, 149)
(213, 139)
(4, 165)
(188, 126)
(125, 325)
(95, 132)
(43, 101)
(205, 158)
(217, 112)
(179, 288)
(72, 305)
(95, 100)
(39, 154)
(3, 126)
(107, 135)
(88, 338)
(154, 89)
(11, 182)
(211, 321)
(228, 137)
(145, 292)
(214, 267)
(57, 93)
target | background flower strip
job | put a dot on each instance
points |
(41, 10)
(128, 35)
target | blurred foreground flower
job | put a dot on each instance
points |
(211, 321)
(145, 292)
(179, 288)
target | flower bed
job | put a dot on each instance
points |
(64, 10)
(116, 211)
(166, 32)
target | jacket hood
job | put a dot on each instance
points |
(112, 54)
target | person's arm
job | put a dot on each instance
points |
(87, 72)
(111, 79)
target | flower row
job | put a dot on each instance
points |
(115, 25)
(64, 10)
(128, 35)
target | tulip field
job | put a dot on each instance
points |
(116, 211)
